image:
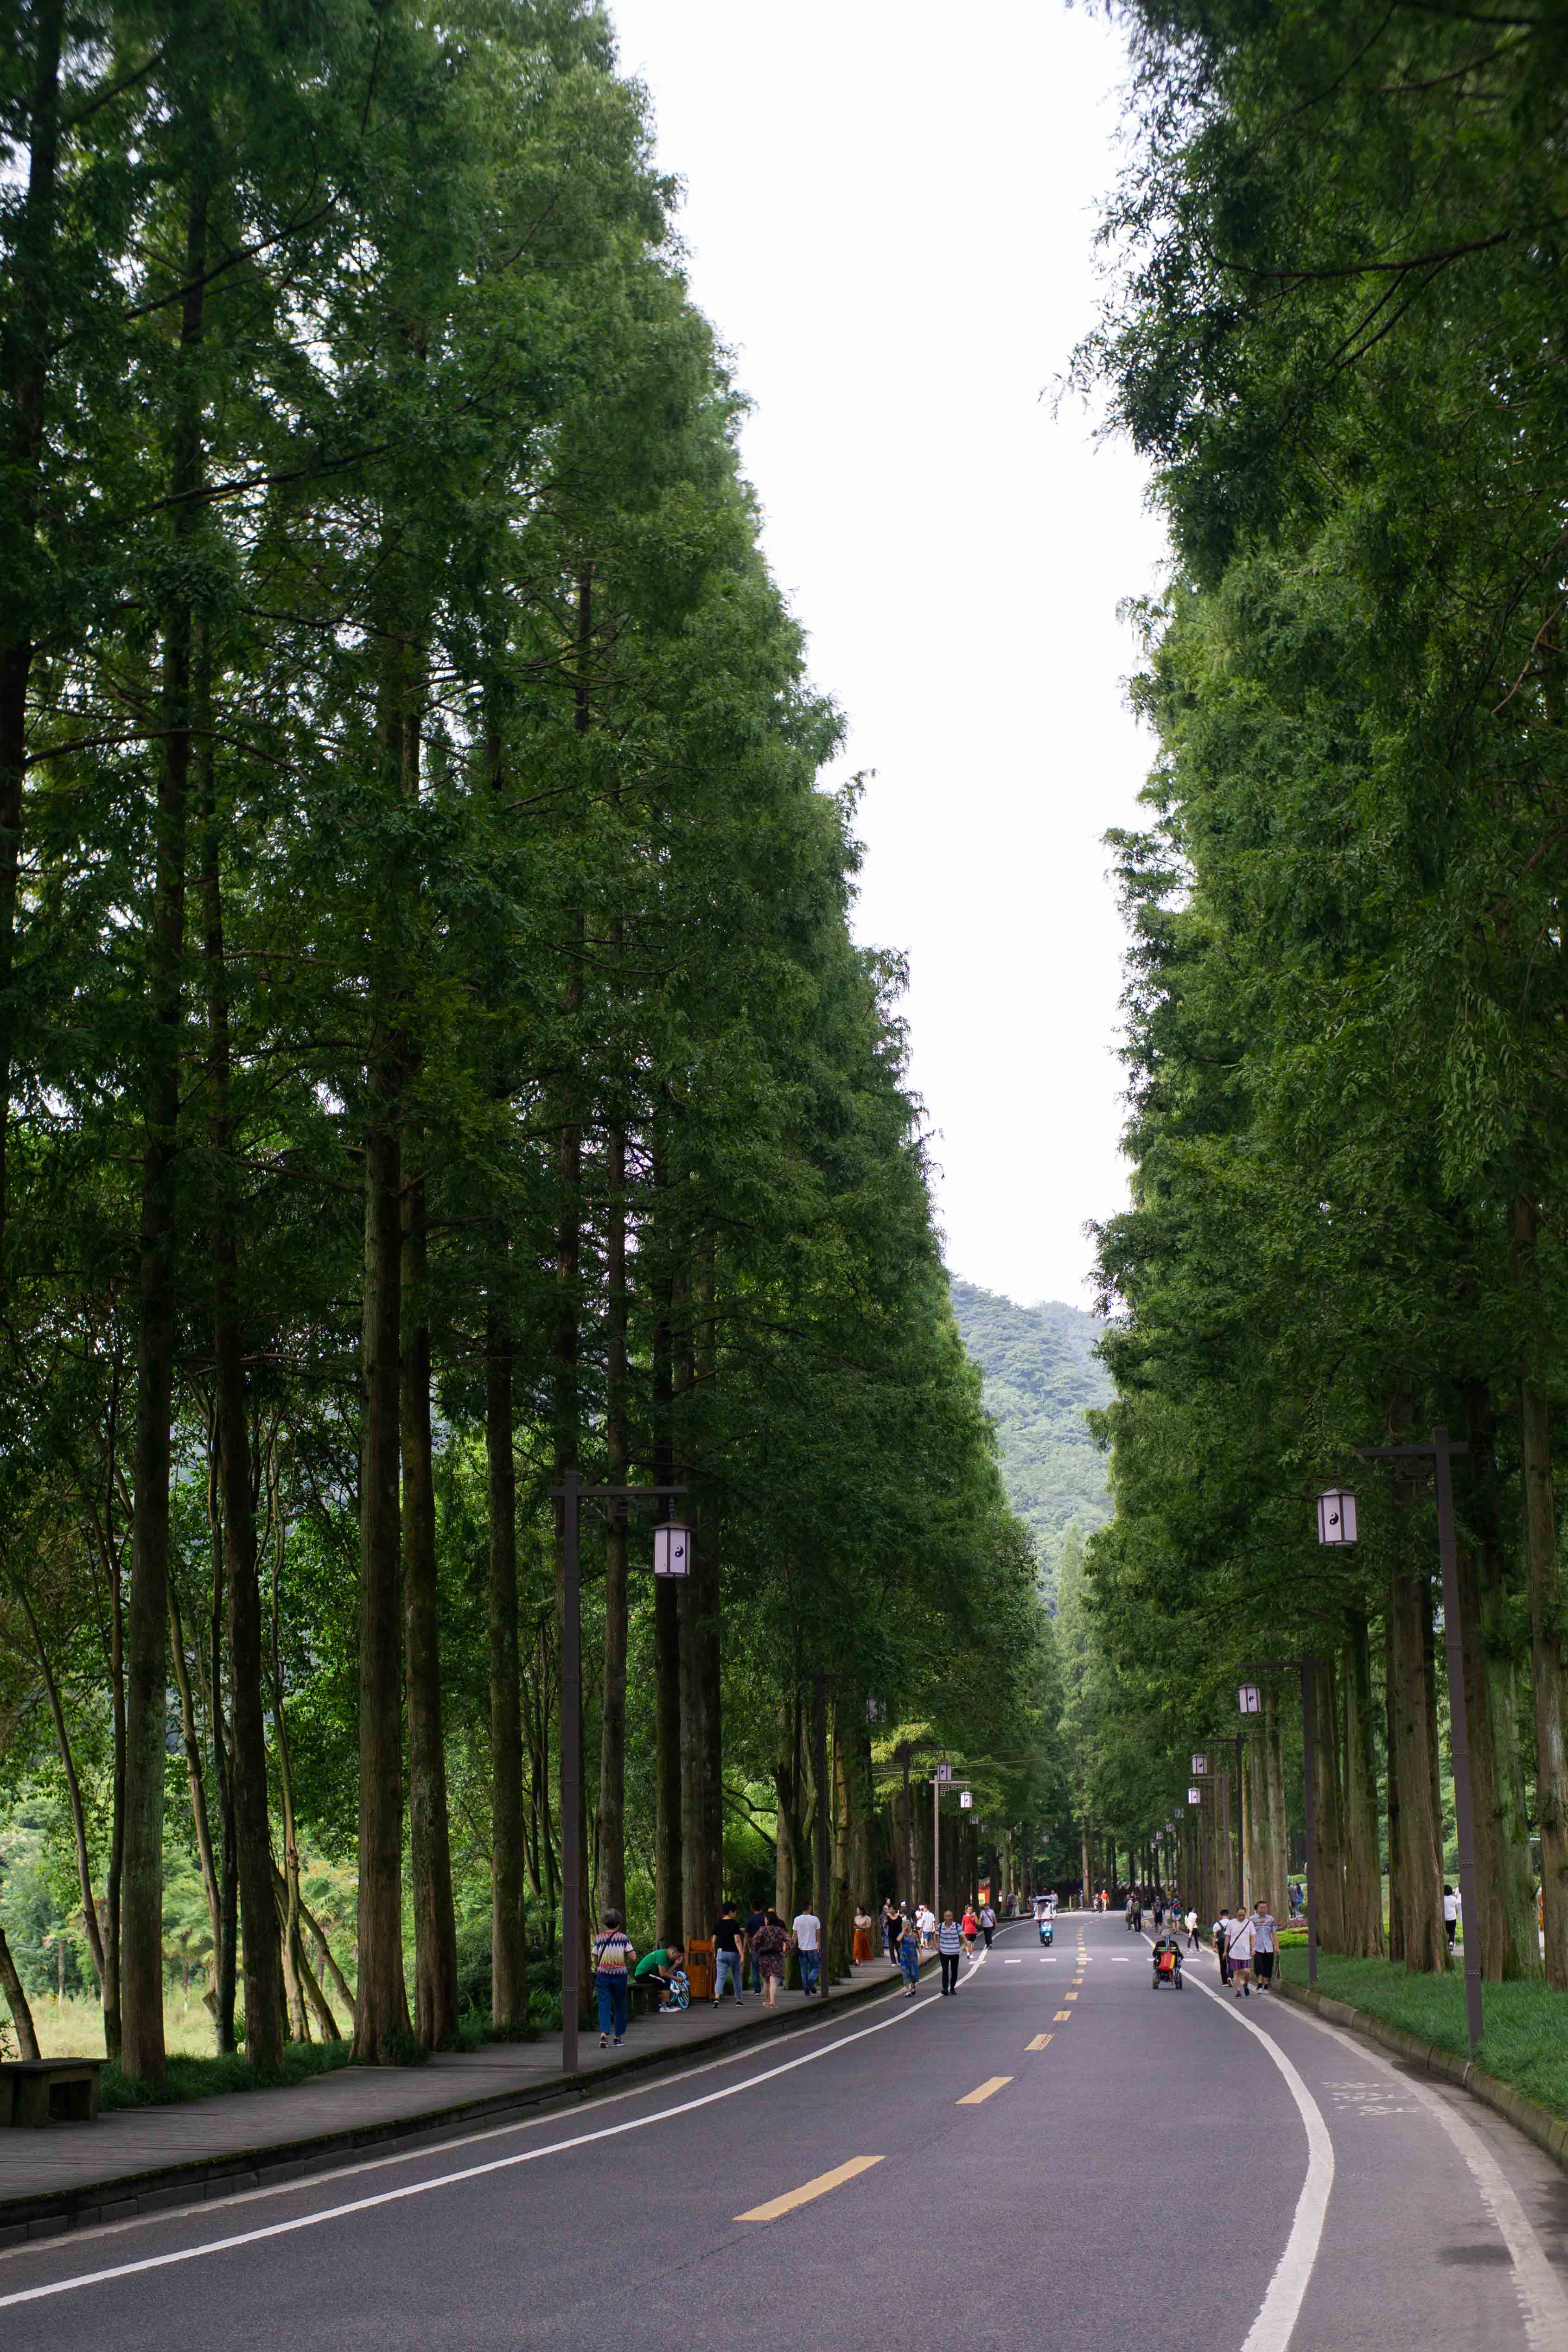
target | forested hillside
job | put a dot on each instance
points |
(1041, 1376)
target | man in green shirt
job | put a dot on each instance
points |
(656, 1968)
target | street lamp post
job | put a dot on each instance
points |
(1440, 1454)
(672, 1553)
(941, 1777)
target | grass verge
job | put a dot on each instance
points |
(1526, 2038)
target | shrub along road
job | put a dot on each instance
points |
(1060, 2148)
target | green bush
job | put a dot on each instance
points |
(208, 2078)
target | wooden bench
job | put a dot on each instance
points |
(50, 2091)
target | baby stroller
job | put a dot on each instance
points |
(1167, 1963)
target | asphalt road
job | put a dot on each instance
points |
(1057, 2151)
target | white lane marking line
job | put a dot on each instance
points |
(439, 2145)
(1013, 1964)
(447, 2180)
(1542, 2296)
(1121, 1960)
(1272, 2329)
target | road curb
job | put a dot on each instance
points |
(84, 2205)
(1548, 2131)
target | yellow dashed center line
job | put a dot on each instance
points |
(1038, 2043)
(1069, 1996)
(973, 2098)
(817, 2187)
(1062, 2016)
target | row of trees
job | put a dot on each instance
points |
(1338, 338)
(435, 1054)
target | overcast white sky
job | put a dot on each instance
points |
(889, 212)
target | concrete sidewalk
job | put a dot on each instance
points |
(141, 2159)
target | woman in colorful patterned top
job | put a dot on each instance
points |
(612, 1955)
(768, 1947)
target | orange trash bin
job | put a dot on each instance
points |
(699, 1966)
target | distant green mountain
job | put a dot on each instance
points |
(1040, 1376)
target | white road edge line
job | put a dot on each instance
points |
(1272, 2329)
(1542, 2299)
(452, 2180)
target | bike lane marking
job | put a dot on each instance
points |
(1542, 2300)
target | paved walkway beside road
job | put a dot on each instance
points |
(142, 2157)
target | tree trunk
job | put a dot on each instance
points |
(380, 2007)
(1549, 1664)
(1420, 1831)
(252, 1825)
(73, 1793)
(666, 1617)
(1363, 1878)
(694, 1794)
(141, 1919)
(25, 352)
(435, 1919)
(194, 1775)
(209, 1670)
(1328, 1822)
(1391, 1758)
(1509, 1945)
(1277, 1889)
(705, 1572)
(16, 2000)
(612, 1821)
(113, 2038)
(509, 1938)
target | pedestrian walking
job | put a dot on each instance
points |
(971, 1928)
(806, 1929)
(770, 1944)
(1192, 1927)
(862, 1952)
(987, 1923)
(728, 1951)
(1450, 1915)
(949, 1947)
(756, 1920)
(1222, 1942)
(1243, 1938)
(612, 1955)
(893, 1923)
(1264, 1940)
(925, 1920)
(909, 1956)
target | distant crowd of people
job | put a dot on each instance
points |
(754, 1952)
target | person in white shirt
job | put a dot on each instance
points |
(1450, 1915)
(1243, 1941)
(925, 1920)
(987, 1923)
(1191, 1927)
(1263, 1945)
(806, 1929)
